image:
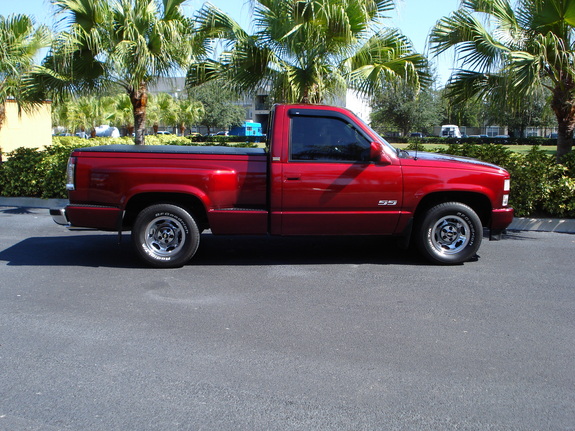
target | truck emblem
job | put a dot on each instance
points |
(387, 203)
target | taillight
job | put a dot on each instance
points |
(70, 174)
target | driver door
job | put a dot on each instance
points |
(330, 185)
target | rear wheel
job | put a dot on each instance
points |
(165, 235)
(449, 233)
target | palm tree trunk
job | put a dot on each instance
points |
(563, 104)
(2, 113)
(139, 99)
(564, 137)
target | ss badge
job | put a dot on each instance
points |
(387, 203)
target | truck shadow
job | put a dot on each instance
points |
(98, 250)
(267, 250)
(103, 250)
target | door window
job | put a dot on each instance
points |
(327, 139)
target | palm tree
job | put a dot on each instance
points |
(123, 115)
(508, 54)
(163, 110)
(125, 43)
(20, 42)
(86, 113)
(189, 112)
(308, 50)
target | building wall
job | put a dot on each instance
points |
(359, 105)
(27, 129)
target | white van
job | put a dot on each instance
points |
(450, 131)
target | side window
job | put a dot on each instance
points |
(327, 139)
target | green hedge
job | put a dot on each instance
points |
(224, 140)
(32, 172)
(539, 187)
(475, 141)
(235, 141)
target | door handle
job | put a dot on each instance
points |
(293, 178)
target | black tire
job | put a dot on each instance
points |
(165, 236)
(449, 233)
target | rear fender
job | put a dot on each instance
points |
(215, 189)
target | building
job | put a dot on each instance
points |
(30, 129)
(258, 105)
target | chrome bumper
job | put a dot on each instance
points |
(59, 216)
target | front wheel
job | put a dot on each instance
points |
(165, 235)
(449, 233)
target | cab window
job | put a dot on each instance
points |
(327, 139)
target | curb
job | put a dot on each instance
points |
(543, 225)
(518, 224)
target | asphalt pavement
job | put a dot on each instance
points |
(282, 334)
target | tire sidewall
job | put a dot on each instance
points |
(426, 240)
(185, 251)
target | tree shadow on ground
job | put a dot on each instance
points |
(18, 210)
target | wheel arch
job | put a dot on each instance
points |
(191, 203)
(476, 201)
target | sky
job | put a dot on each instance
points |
(414, 18)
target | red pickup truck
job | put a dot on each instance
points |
(324, 172)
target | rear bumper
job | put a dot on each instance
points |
(59, 216)
(88, 216)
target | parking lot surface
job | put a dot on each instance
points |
(283, 334)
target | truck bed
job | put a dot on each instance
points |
(175, 149)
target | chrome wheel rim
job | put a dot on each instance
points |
(450, 234)
(164, 236)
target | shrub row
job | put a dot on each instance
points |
(481, 141)
(539, 187)
(32, 172)
(236, 141)
(223, 140)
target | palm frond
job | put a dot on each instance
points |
(203, 71)
(213, 23)
(475, 45)
(386, 57)
(466, 85)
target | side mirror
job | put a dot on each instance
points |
(377, 154)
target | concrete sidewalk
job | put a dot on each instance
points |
(33, 203)
(518, 224)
